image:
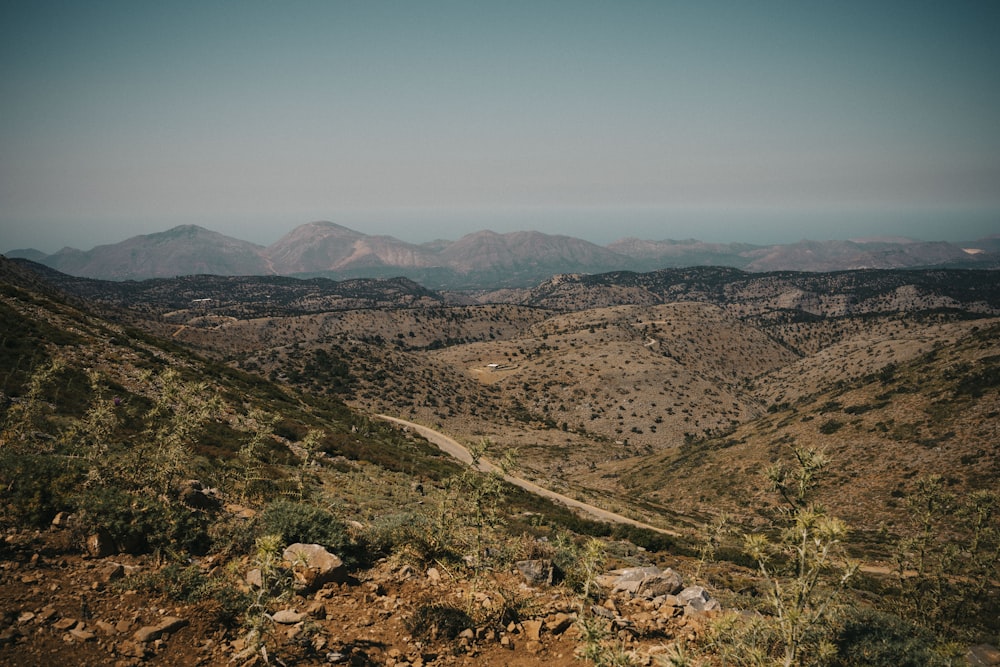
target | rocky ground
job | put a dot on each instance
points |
(62, 606)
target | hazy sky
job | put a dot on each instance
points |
(725, 121)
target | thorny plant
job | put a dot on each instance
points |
(274, 585)
(804, 570)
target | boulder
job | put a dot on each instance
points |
(646, 582)
(536, 572)
(697, 599)
(101, 544)
(693, 593)
(313, 566)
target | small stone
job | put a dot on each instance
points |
(150, 633)
(106, 627)
(433, 575)
(533, 647)
(532, 629)
(288, 617)
(316, 610)
(81, 635)
(25, 617)
(132, 649)
(113, 572)
(559, 623)
(64, 624)
(100, 544)
(255, 578)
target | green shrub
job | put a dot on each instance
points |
(189, 583)
(309, 524)
(438, 621)
(141, 522)
(830, 426)
(412, 535)
(871, 638)
(36, 487)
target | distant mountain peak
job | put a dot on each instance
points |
(486, 258)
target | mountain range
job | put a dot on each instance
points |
(482, 259)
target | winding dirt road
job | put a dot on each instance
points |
(455, 449)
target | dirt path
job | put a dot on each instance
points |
(455, 449)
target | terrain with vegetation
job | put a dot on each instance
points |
(815, 455)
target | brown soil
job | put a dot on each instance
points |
(61, 607)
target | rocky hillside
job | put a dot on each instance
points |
(588, 372)
(159, 505)
(836, 294)
(161, 509)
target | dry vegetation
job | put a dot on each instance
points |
(591, 390)
(668, 403)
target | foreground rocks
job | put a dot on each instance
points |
(76, 608)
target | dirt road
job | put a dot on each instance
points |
(455, 449)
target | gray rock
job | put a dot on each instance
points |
(647, 582)
(536, 572)
(630, 579)
(603, 612)
(697, 600)
(693, 593)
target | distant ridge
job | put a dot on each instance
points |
(183, 250)
(484, 259)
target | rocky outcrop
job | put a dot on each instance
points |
(663, 588)
(313, 566)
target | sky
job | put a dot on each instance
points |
(754, 121)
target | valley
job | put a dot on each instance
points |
(668, 403)
(604, 385)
